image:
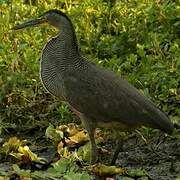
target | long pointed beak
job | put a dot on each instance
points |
(30, 23)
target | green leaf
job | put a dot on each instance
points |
(21, 172)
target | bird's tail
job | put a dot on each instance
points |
(161, 121)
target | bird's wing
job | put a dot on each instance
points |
(102, 95)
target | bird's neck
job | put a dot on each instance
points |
(67, 34)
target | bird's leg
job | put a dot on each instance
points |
(122, 138)
(91, 130)
(117, 150)
(93, 157)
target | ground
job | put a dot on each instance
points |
(159, 155)
(152, 151)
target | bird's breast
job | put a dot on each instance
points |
(51, 79)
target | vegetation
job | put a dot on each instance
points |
(137, 39)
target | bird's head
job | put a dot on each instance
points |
(53, 17)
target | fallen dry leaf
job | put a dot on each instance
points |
(12, 145)
(25, 154)
(104, 170)
(79, 138)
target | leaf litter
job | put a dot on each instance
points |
(72, 152)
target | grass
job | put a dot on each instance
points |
(138, 40)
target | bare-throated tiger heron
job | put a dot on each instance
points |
(98, 96)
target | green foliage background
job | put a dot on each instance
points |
(137, 39)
